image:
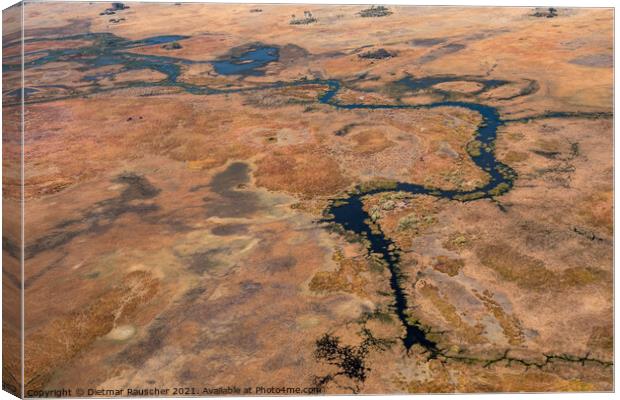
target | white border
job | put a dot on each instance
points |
(477, 3)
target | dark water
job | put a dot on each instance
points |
(159, 40)
(417, 84)
(18, 92)
(248, 63)
(108, 49)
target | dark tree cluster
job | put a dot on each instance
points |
(378, 54)
(308, 18)
(375, 11)
(546, 13)
(349, 360)
(115, 7)
(119, 6)
(172, 46)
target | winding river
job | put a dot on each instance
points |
(350, 213)
(347, 212)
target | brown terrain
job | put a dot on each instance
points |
(177, 218)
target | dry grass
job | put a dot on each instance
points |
(282, 97)
(509, 323)
(515, 156)
(469, 334)
(59, 341)
(449, 266)
(371, 141)
(459, 380)
(602, 338)
(306, 170)
(346, 278)
(511, 265)
(597, 211)
(531, 273)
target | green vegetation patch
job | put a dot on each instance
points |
(377, 184)
(499, 189)
(458, 241)
(469, 196)
(415, 223)
(474, 148)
